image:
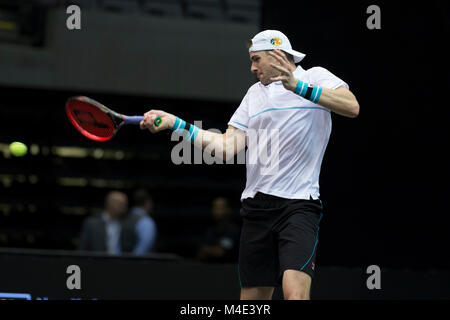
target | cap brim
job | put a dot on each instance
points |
(298, 56)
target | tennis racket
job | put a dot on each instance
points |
(97, 122)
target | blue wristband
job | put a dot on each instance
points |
(180, 126)
(316, 100)
(298, 88)
(176, 124)
(302, 89)
(194, 135)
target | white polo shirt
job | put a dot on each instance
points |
(286, 136)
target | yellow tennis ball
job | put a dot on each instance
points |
(18, 149)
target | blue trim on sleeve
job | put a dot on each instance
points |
(289, 108)
(240, 124)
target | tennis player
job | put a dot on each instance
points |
(281, 210)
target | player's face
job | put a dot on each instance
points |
(261, 66)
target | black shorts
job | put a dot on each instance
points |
(277, 235)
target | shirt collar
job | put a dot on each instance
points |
(298, 71)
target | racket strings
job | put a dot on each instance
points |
(90, 120)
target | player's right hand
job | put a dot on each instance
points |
(149, 121)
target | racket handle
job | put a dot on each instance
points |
(133, 119)
(136, 120)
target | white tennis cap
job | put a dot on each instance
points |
(271, 40)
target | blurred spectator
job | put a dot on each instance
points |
(221, 243)
(102, 233)
(138, 228)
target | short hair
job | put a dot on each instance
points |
(290, 57)
(140, 197)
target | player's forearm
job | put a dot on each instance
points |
(224, 146)
(216, 144)
(342, 102)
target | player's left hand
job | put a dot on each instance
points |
(286, 76)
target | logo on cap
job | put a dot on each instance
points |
(276, 41)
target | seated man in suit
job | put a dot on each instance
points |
(102, 232)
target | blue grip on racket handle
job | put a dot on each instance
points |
(133, 119)
(137, 120)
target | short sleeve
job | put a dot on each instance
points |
(324, 78)
(240, 117)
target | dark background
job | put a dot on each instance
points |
(383, 179)
(42, 275)
(384, 176)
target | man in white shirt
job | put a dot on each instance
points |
(284, 120)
